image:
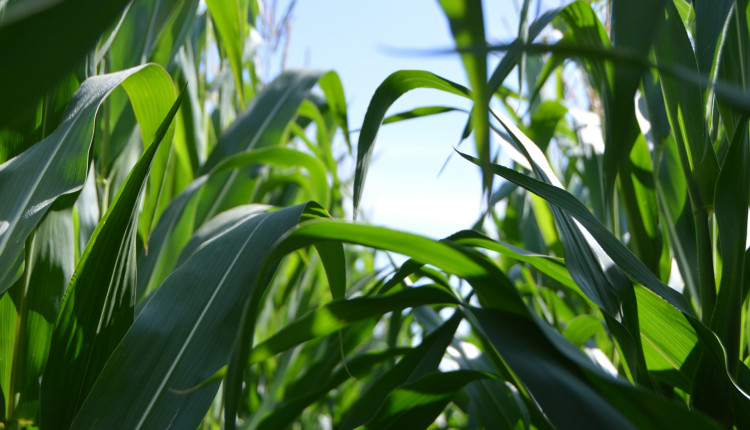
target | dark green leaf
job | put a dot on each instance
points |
(35, 35)
(98, 306)
(185, 332)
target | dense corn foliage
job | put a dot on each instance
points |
(175, 250)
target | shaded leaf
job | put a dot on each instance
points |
(98, 304)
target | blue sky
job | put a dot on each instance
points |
(361, 41)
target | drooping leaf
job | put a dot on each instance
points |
(387, 93)
(574, 393)
(57, 165)
(622, 256)
(98, 306)
(459, 260)
(418, 113)
(714, 353)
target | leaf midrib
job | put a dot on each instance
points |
(187, 341)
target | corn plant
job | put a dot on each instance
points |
(174, 253)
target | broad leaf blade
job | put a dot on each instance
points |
(179, 340)
(98, 305)
(574, 393)
(57, 165)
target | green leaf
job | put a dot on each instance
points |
(634, 27)
(467, 25)
(37, 297)
(334, 261)
(710, 20)
(686, 109)
(26, 131)
(731, 206)
(677, 213)
(285, 412)
(193, 332)
(637, 189)
(581, 329)
(331, 85)
(613, 247)
(283, 157)
(515, 51)
(496, 289)
(35, 35)
(669, 340)
(414, 364)
(393, 87)
(730, 58)
(167, 239)
(572, 391)
(57, 165)
(230, 24)
(261, 125)
(173, 231)
(419, 113)
(8, 317)
(591, 268)
(632, 266)
(495, 403)
(172, 33)
(417, 404)
(544, 122)
(155, 93)
(98, 304)
(340, 313)
(550, 266)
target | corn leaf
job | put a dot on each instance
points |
(57, 165)
(193, 331)
(230, 23)
(98, 306)
(338, 314)
(393, 87)
(418, 403)
(37, 298)
(466, 21)
(35, 36)
(413, 365)
(261, 125)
